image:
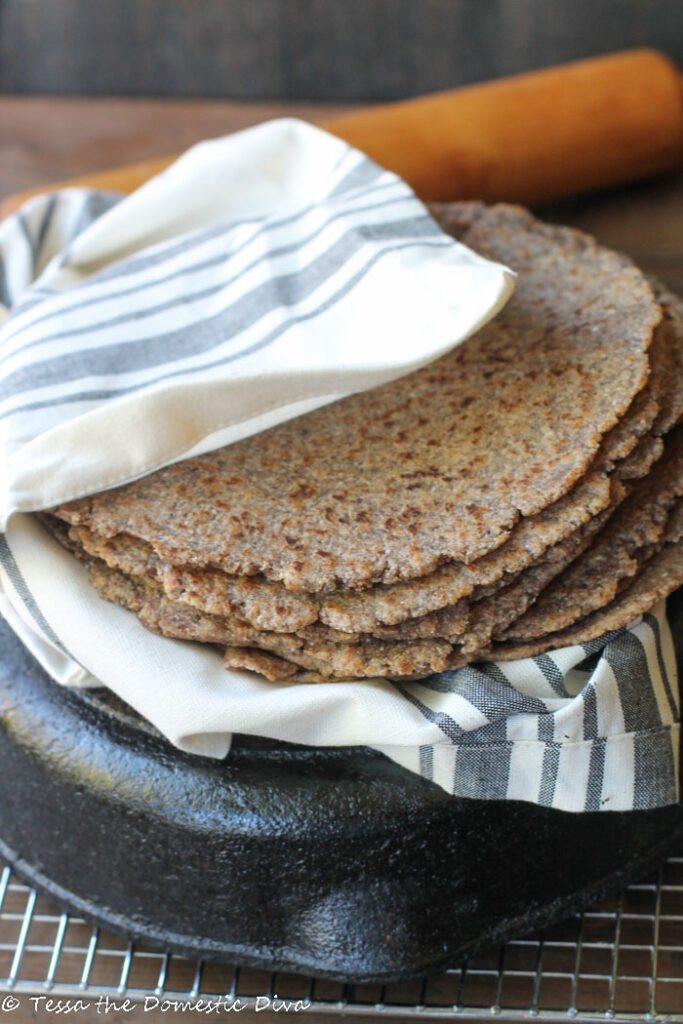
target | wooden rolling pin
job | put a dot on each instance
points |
(528, 138)
(533, 137)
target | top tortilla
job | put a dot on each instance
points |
(435, 467)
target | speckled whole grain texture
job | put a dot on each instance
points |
(661, 574)
(227, 602)
(417, 609)
(496, 611)
(270, 606)
(310, 659)
(312, 650)
(625, 448)
(436, 467)
(263, 604)
(327, 660)
(268, 665)
(351, 610)
(162, 613)
(215, 594)
(171, 619)
(671, 365)
(594, 579)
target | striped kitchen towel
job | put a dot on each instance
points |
(587, 728)
(259, 277)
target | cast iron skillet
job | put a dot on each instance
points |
(332, 862)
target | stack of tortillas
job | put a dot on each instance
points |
(522, 493)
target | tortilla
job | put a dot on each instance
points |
(135, 558)
(263, 604)
(322, 661)
(670, 371)
(270, 606)
(594, 579)
(268, 665)
(352, 610)
(660, 576)
(437, 467)
(177, 621)
(450, 623)
(549, 417)
(497, 610)
(329, 660)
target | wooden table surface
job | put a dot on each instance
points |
(48, 140)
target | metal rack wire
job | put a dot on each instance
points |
(619, 961)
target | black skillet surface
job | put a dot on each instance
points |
(331, 862)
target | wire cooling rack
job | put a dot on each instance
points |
(619, 961)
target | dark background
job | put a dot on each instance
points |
(309, 49)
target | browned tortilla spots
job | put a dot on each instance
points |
(171, 619)
(263, 604)
(595, 578)
(363, 610)
(660, 576)
(505, 605)
(253, 660)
